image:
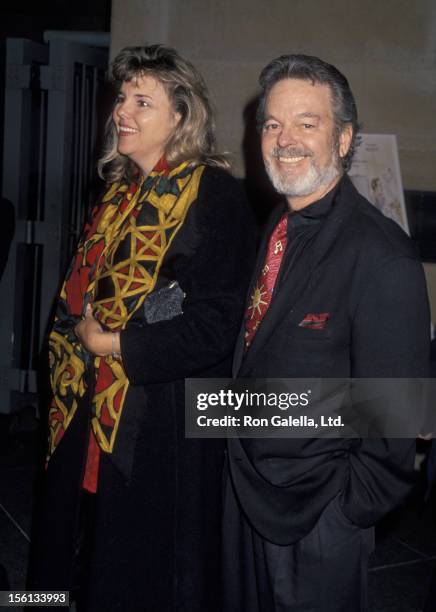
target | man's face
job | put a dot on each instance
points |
(299, 146)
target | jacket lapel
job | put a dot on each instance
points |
(289, 300)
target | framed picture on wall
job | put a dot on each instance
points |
(376, 175)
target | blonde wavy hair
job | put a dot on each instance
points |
(193, 139)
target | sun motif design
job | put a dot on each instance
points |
(257, 300)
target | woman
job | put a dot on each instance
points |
(154, 294)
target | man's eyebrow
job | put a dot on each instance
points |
(268, 117)
(309, 115)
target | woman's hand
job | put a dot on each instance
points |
(94, 339)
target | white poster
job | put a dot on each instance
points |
(376, 175)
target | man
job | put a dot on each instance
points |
(337, 292)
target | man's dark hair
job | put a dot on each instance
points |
(310, 68)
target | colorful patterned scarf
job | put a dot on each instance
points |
(116, 265)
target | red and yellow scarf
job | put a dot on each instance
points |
(116, 265)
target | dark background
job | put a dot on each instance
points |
(29, 19)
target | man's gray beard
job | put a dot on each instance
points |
(305, 184)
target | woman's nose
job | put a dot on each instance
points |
(122, 110)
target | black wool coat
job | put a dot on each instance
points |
(153, 543)
(362, 270)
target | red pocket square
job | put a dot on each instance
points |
(315, 321)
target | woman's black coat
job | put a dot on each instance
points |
(154, 540)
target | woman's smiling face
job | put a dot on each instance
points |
(145, 120)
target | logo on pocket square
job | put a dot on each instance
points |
(315, 321)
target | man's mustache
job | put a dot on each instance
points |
(291, 152)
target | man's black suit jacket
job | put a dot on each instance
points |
(362, 269)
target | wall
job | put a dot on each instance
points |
(387, 50)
